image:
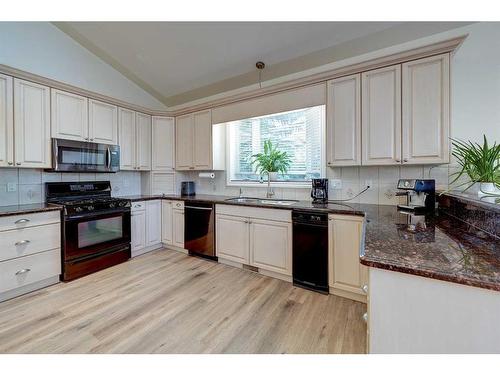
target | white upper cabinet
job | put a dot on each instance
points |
(163, 158)
(143, 148)
(426, 97)
(344, 121)
(69, 116)
(202, 123)
(6, 121)
(381, 116)
(103, 122)
(31, 125)
(127, 137)
(184, 135)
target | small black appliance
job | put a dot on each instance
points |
(319, 191)
(420, 195)
(187, 188)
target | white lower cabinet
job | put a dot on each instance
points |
(145, 226)
(259, 237)
(347, 275)
(172, 232)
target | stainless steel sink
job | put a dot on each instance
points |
(271, 202)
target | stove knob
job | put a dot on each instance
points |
(112, 205)
(90, 208)
(78, 209)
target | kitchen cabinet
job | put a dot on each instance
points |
(232, 238)
(178, 225)
(163, 155)
(138, 231)
(198, 144)
(69, 116)
(166, 223)
(381, 116)
(143, 158)
(153, 222)
(135, 140)
(259, 237)
(343, 122)
(32, 143)
(6, 121)
(426, 85)
(127, 138)
(347, 276)
(103, 122)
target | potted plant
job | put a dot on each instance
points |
(271, 162)
(481, 163)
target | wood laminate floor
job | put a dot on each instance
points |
(168, 302)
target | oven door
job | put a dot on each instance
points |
(75, 156)
(90, 234)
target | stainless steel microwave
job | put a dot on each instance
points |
(76, 156)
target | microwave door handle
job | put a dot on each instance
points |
(56, 154)
(109, 158)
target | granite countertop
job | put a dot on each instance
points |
(28, 209)
(437, 246)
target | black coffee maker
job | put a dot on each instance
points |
(319, 192)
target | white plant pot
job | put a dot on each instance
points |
(488, 188)
(273, 176)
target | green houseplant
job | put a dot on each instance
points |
(481, 163)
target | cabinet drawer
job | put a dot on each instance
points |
(276, 214)
(179, 205)
(30, 269)
(138, 206)
(29, 220)
(20, 242)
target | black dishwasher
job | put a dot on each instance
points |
(310, 250)
(199, 229)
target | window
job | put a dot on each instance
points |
(299, 133)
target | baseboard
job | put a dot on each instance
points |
(179, 249)
(276, 275)
(230, 263)
(346, 294)
(29, 288)
(146, 249)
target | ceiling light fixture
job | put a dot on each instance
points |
(260, 66)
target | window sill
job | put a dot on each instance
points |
(275, 184)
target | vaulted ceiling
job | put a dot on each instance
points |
(182, 61)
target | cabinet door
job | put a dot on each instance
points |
(163, 144)
(178, 227)
(103, 122)
(153, 222)
(232, 238)
(381, 116)
(167, 223)
(127, 138)
(271, 245)
(344, 121)
(426, 97)
(345, 271)
(6, 121)
(143, 157)
(69, 116)
(138, 230)
(184, 142)
(32, 125)
(202, 125)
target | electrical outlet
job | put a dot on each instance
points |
(369, 183)
(11, 186)
(336, 184)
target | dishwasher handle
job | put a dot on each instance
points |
(199, 208)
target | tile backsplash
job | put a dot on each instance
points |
(382, 182)
(25, 186)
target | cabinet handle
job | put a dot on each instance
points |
(191, 167)
(398, 160)
(365, 317)
(405, 160)
(365, 288)
(10, 163)
(24, 270)
(21, 221)
(22, 242)
(18, 163)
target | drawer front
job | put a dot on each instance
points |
(29, 220)
(21, 242)
(179, 205)
(275, 214)
(138, 206)
(30, 269)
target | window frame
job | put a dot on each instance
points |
(276, 184)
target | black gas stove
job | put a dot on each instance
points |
(95, 226)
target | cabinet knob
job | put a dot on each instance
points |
(10, 163)
(365, 288)
(365, 317)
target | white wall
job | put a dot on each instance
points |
(41, 48)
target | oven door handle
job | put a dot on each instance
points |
(97, 214)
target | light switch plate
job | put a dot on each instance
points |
(11, 186)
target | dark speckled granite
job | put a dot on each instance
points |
(28, 209)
